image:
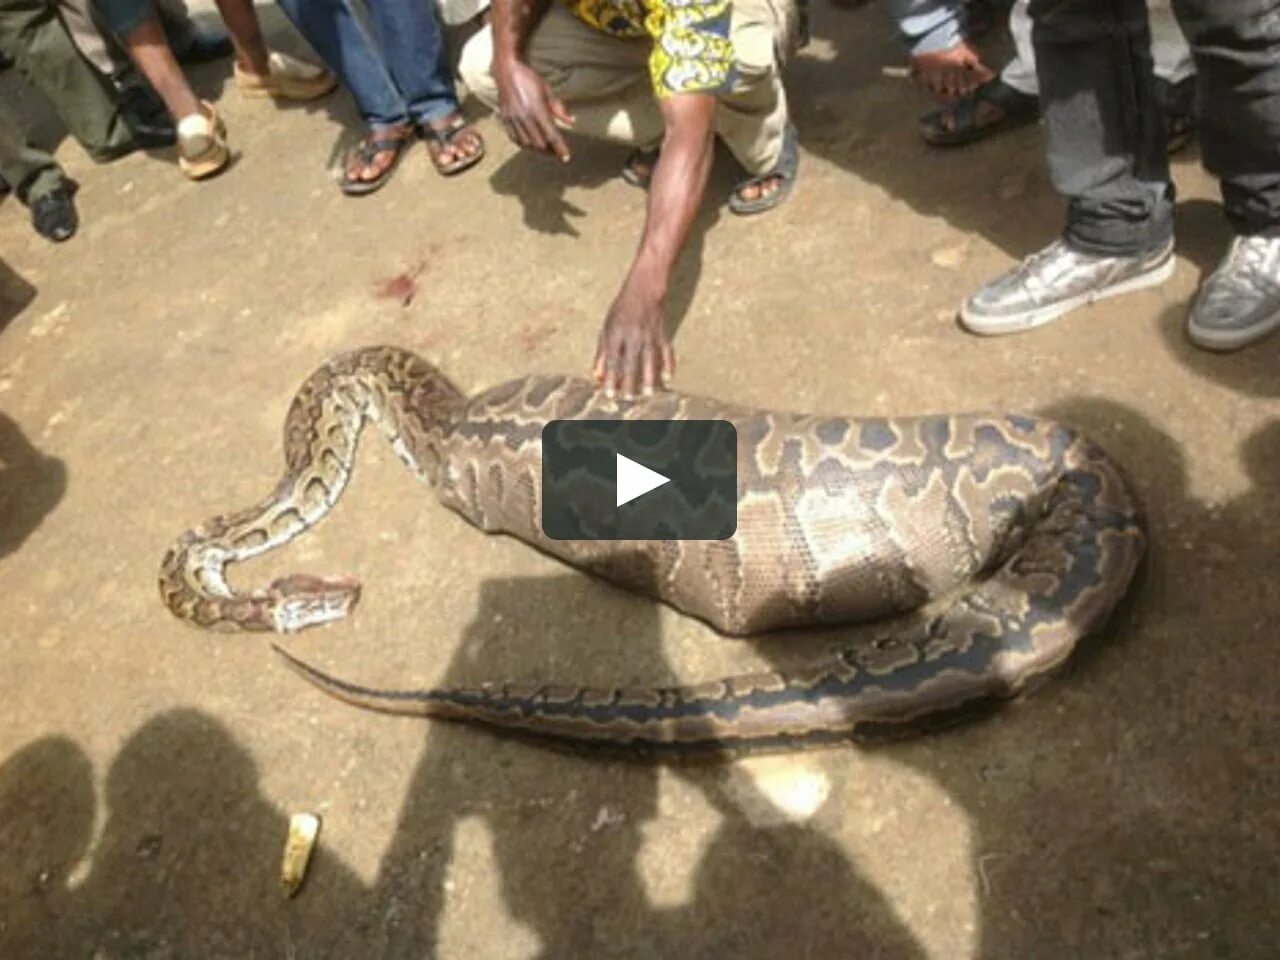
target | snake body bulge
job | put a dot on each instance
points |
(1025, 534)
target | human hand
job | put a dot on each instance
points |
(953, 73)
(633, 351)
(529, 110)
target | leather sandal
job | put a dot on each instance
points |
(204, 152)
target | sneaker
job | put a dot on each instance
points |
(1240, 302)
(1056, 281)
(54, 214)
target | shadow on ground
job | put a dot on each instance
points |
(849, 112)
(569, 869)
(186, 863)
(16, 295)
(31, 485)
(539, 183)
(179, 870)
(1124, 811)
(1203, 239)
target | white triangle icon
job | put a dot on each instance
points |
(635, 480)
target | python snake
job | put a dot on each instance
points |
(1018, 534)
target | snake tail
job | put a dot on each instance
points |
(989, 643)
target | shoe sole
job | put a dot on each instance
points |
(1227, 342)
(203, 169)
(298, 93)
(1019, 323)
(211, 161)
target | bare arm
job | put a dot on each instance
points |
(633, 351)
(942, 59)
(513, 24)
(527, 107)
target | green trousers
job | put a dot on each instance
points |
(29, 172)
(35, 39)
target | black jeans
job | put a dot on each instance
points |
(1106, 132)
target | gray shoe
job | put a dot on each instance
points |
(1057, 280)
(1240, 303)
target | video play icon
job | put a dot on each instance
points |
(634, 480)
(639, 479)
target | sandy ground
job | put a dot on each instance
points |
(147, 770)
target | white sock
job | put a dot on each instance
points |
(194, 125)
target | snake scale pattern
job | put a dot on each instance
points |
(1013, 535)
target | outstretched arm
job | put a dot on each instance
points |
(634, 351)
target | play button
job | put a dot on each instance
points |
(639, 479)
(634, 480)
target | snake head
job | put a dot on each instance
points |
(300, 600)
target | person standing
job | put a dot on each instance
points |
(401, 81)
(933, 33)
(1107, 156)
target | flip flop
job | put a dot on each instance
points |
(367, 152)
(786, 168)
(1017, 109)
(645, 156)
(438, 140)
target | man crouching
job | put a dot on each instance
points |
(665, 76)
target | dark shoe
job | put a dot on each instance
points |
(152, 136)
(1240, 302)
(54, 214)
(204, 46)
(147, 120)
(146, 136)
(147, 117)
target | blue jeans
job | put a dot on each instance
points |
(402, 77)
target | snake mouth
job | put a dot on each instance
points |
(300, 600)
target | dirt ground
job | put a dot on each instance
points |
(147, 770)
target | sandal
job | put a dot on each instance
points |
(393, 140)
(785, 169)
(1178, 101)
(439, 139)
(288, 78)
(1017, 109)
(644, 157)
(202, 150)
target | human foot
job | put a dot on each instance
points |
(369, 165)
(453, 144)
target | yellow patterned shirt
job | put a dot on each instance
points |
(691, 48)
